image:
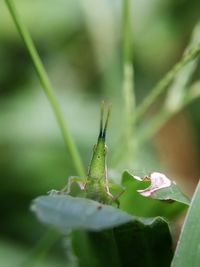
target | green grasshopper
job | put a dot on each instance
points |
(95, 184)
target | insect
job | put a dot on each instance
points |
(95, 184)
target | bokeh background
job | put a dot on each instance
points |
(80, 43)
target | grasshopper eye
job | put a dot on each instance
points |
(105, 150)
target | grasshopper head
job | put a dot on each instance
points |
(97, 168)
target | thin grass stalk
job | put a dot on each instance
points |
(164, 83)
(47, 87)
(128, 77)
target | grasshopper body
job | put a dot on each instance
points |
(97, 181)
(95, 184)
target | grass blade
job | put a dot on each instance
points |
(188, 249)
(165, 82)
(47, 87)
(128, 79)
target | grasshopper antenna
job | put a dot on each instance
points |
(106, 123)
(101, 119)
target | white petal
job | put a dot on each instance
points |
(158, 181)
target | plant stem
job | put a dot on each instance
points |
(128, 75)
(163, 84)
(178, 95)
(165, 115)
(47, 87)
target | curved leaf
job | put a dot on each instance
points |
(67, 212)
(109, 237)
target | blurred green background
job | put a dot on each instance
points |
(80, 43)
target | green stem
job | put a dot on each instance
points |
(164, 83)
(127, 53)
(47, 87)
(128, 75)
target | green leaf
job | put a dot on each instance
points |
(67, 212)
(162, 188)
(96, 249)
(171, 193)
(133, 244)
(188, 248)
(134, 203)
(144, 244)
(109, 236)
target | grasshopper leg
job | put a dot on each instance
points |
(115, 198)
(108, 191)
(71, 180)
